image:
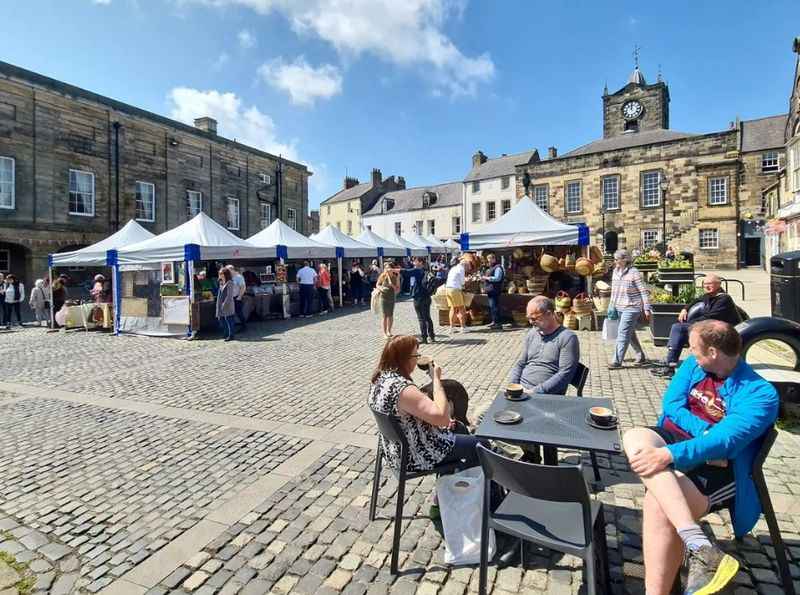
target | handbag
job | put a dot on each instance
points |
(375, 301)
(461, 506)
(610, 329)
(612, 314)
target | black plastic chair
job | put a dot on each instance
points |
(579, 381)
(389, 428)
(548, 506)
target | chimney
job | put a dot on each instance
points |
(206, 124)
(478, 159)
(401, 182)
(350, 182)
(377, 177)
(552, 152)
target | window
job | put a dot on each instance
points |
(632, 126)
(81, 193)
(718, 191)
(431, 227)
(456, 225)
(418, 227)
(349, 228)
(5, 261)
(769, 162)
(573, 197)
(611, 193)
(328, 212)
(194, 203)
(233, 213)
(794, 175)
(145, 201)
(490, 211)
(541, 194)
(7, 200)
(651, 193)
(398, 227)
(709, 239)
(476, 212)
(505, 182)
(505, 207)
(476, 186)
(266, 214)
(369, 227)
(291, 216)
(650, 237)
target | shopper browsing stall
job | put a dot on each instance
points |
(307, 279)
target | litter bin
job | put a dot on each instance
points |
(785, 285)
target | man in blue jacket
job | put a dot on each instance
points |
(698, 459)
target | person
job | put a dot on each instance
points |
(629, 301)
(59, 295)
(14, 294)
(239, 289)
(454, 292)
(699, 458)
(426, 423)
(38, 303)
(226, 309)
(2, 300)
(357, 283)
(389, 286)
(550, 355)
(373, 274)
(670, 253)
(717, 305)
(422, 286)
(324, 289)
(307, 278)
(494, 287)
(97, 289)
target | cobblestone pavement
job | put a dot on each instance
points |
(153, 465)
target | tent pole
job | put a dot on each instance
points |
(115, 296)
(52, 312)
(339, 267)
(189, 268)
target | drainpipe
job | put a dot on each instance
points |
(279, 187)
(116, 174)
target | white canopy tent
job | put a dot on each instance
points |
(384, 247)
(526, 225)
(437, 246)
(289, 243)
(346, 247)
(96, 254)
(452, 245)
(414, 237)
(412, 249)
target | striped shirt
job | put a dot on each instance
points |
(628, 291)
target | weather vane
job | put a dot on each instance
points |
(636, 49)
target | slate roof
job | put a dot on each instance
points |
(348, 193)
(448, 195)
(500, 166)
(631, 139)
(764, 133)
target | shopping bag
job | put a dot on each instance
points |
(375, 301)
(461, 506)
(610, 329)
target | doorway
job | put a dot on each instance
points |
(611, 242)
(752, 252)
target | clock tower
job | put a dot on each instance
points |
(637, 107)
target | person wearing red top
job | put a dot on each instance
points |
(324, 289)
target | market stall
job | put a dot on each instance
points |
(540, 255)
(157, 293)
(346, 247)
(383, 246)
(85, 315)
(416, 239)
(437, 247)
(411, 249)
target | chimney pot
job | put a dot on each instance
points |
(206, 124)
(401, 182)
(478, 159)
(350, 182)
(552, 152)
(377, 177)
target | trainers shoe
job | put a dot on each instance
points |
(640, 363)
(710, 570)
(614, 366)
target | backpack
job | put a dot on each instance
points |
(430, 283)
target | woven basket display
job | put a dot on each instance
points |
(571, 321)
(563, 301)
(582, 304)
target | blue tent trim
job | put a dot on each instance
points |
(339, 252)
(380, 251)
(191, 252)
(464, 241)
(50, 261)
(583, 234)
(111, 257)
(282, 252)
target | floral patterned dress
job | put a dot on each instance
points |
(428, 445)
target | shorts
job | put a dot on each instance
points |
(716, 483)
(455, 297)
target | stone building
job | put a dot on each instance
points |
(313, 223)
(490, 187)
(786, 224)
(75, 166)
(643, 182)
(430, 210)
(344, 209)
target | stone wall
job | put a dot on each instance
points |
(654, 99)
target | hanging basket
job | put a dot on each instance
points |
(584, 266)
(548, 263)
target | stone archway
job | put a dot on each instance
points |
(611, 242)
(15, 258)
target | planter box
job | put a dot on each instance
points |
(676, 275)
(664, 316)
(647, 267)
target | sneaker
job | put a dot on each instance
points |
(434, 512)
(710, 570)
(640, 363)
(424, 340)
(614, 366)
(432, 339)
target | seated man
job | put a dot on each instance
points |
(548, 360)
(699, 459)
(717, 305)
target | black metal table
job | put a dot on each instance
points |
(552, 420)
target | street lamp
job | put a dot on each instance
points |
(663, 185)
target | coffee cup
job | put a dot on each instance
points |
(602, 416)
(514, 390)
(424, 362)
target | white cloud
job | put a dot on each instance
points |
(101, 2)
(248, 125)
(404, 32)
(246, 39)
(303, 82)
(221, 61)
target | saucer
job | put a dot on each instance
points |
(522, 397)
(507, 417)
(591, 422)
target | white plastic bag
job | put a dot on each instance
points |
(461, 506)
(610, 329)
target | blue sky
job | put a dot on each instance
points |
(412, 87)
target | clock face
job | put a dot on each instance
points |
(632, 110)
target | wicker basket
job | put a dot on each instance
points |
(563, 301)
(582, 304)
(571, 320)
(520, 318)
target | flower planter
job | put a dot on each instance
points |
(676, 275)
(663, 317)
(647, 267)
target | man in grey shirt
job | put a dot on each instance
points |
(548, 361)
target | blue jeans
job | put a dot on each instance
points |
(306, 298)
(678, 337)
(226, 323)
(465, 449)
(494, 306)
(239, 311)
(626, 335)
